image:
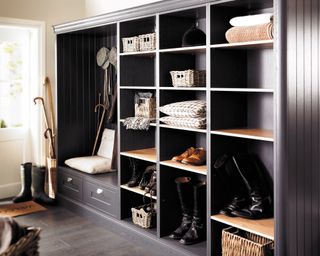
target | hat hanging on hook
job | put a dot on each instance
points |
(103, 57)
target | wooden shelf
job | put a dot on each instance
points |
(202, 169)
(263, 44)
(261, 90)
(137, 190)
(184, 50)
(147, 154)
(246, 133)
(264, 227)
(146, 53)
(183, 88)
(182, 128)
(138, 87)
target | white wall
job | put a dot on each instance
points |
(51, 12)
(96, 7)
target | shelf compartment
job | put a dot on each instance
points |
(186, 50)
(182, 128)
(263, 227)
(202, 169)
(144, 53)
(244, 90)
(246, 133)
(263, 44)
(147, 154)
(137, 190)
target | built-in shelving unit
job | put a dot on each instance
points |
(239, 93)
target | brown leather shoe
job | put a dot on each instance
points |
(198, 157)
(184, 155)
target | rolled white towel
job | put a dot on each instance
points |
(251, 20)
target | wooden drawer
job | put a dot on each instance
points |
(102, 198)
(70, 185)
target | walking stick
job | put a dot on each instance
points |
(50, 99)
(52, 151)
(43, 109)
(100, 125)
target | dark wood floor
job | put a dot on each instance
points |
(64, 233)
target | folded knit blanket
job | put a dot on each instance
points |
(251, 20)
(137, 123)
(250, 33)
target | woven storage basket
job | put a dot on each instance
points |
(242, 243)
(131, 44)
(188, 78)
(26, 246)
(146, 108)
(147, 42)
(143, 217)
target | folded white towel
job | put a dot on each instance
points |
(251, 20)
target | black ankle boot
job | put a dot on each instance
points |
(260, 203)
(25, 193)
(152, 185)
(136, 173)
(146, 176)
(184, 188)
(38, 178)
(197, 231)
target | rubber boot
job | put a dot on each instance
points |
(38, 181)
(136, 173)
(185, 193)
(197, 231)
(260, 203)
(238, 187)
(25, 193)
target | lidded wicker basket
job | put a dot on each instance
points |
(131, 44)
(188, 78)
(236, 242)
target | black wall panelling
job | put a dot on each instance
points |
(80, 80)
(299, 131)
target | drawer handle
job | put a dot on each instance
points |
(99, 191)
(69, 180)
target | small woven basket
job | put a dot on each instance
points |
(144, 215)
(145, 108)
(131, 44)
(236, 242)
(147, 42)
(27, 245)
(188, 78)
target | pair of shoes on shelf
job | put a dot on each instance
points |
(146, 180)
(251, 197)
(192, 156)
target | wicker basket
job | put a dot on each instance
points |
(147, 42)
(131, 44)
(236, 242)
(144, 215)
(26, 246)
(188, 78)
(145, 108)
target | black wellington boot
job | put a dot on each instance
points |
(185, 193)
(197, 231)
(136, 173)
(25, 193)
(260, 203)
(238, 188)
(38, 179)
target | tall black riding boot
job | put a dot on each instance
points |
(38, 179)
(185, 193)
(136, 173)
(260, 203)
(235, 184)
(25, 193)
(197, 231)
